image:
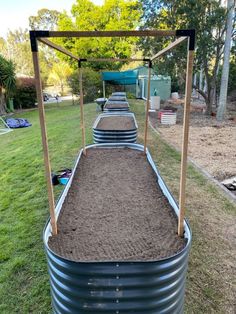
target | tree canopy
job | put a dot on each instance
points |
(44, 20)
(208, 18)
(113, 15)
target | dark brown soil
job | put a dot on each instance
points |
(117, 98)
(119, 123)
(113, 105)
(114, 211)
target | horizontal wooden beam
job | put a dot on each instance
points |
(68, 53)
(115, 59)
(58, 48)
(137, 33)
(171, 46)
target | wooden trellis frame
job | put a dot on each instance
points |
(42, 36)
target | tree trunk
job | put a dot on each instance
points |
(225, 70)
(2, 102)
(207, 89)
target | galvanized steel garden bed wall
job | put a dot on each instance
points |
(117, 98)
(119, 94)
(113, 136)
(121, 287)
(116, 108)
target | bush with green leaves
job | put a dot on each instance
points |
(92, 84)
(25, 94)
(7, 82)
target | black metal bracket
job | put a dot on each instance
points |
(150, 63)
(146, 59)
(188, 33)
(80, 62)
(33, 42)
(33, 38)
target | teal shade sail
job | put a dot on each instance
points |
(121, 78)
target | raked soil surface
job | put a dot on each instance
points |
(119, 123)
(114, 211)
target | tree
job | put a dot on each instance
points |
(113, 15)
(59, 74)
(19, 51)
(7, 82)
(3, 47)
(92, 84)
(44, 20)
(207, 18)
(225, 70)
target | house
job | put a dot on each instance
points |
(135, 81)
(160, 84)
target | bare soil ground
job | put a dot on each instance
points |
(115, 210)
(211, 144)
(211, 279)
(119, 123)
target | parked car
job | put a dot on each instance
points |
(46, 97)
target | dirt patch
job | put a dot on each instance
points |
(211, 145)
(114, 105)
(119, 123)
(114, 210)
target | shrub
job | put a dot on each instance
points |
(130, 95)
(25, 94)
(92, 84)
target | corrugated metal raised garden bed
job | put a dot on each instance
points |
(117, 250)
(117, 98)
(116, 106)
(119, 94)
(115, 127)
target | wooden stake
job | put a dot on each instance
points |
(188, 92)
(147, 107)
(44, 142)
(81, 98)
(104, 89)
(113, 59)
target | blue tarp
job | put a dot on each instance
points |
(121, 78)
(17, 123)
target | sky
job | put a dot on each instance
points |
(15, 13)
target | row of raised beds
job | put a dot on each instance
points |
(112, 244)
(115, 125)
(117, 103)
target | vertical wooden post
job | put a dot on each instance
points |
(81, 98)
(104, 89)
(188, 92)
(137, 92)
(147, 106)
(44, 141)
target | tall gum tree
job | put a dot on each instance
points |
(225, 71)
(207, 18)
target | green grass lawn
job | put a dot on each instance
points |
(24, 286)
